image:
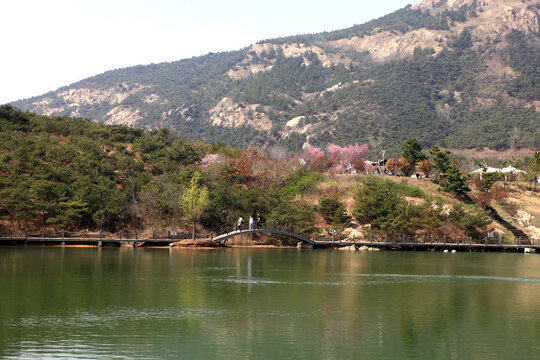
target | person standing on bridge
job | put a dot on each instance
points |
(251, 222)
(259, 221)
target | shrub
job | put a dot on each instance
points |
(381, 203)
(333, 211)
(301, 182)
(469, 218)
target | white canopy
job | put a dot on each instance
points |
(488, 169)
(511, 169)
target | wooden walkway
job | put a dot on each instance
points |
(400, 243)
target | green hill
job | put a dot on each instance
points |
(460, 75)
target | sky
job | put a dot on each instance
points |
(47, 44)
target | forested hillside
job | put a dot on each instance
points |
(70, 173)
(458, 74)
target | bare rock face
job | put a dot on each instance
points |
(387, 46)
(248, 66)
(123, 115)
(228, 113)
(523, 19)
(180, 111)
(71, 100)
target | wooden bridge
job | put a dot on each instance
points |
(398, 242)
(303, 238)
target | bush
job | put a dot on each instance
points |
(301, 182)
(469, 218)
(334, 212)
(381, 203)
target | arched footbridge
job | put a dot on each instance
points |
(219, 239)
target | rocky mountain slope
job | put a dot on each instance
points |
(459, 73)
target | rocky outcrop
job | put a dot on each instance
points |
(123, 115)
(387, 45)
(250, 66)
(70, 101)
(228, 113)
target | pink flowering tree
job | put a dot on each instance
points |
(311, 152)
(353, 154)
(348, 156)
(334, 151)
(211, 160)
(370, 167)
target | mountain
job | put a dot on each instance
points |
(457, 73)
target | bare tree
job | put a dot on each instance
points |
(376, 146)
(514, 138)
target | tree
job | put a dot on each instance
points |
(514, 138)
(454, 182)
(469, 217)
(333, 211)
(195, 200)
(441, 160)
(392, 165)
(405, 167)
(533, 169)
(348, 155)
(424, 166)
(380, 204)
(412, 151)
(311, 152)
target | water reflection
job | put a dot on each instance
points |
(266, 303)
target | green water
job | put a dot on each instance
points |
(267, 304)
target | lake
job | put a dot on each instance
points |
(265, 303)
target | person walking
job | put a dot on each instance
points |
(251, 222)
(239, 224)
(259, 221)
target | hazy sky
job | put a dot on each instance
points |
(47, 44)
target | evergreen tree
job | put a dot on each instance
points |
(334, 212)
(441, 160)
(412, 151)
(454, 182)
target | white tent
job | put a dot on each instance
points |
(488, 169)
(511, 169)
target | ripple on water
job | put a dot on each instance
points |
(450, 277)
